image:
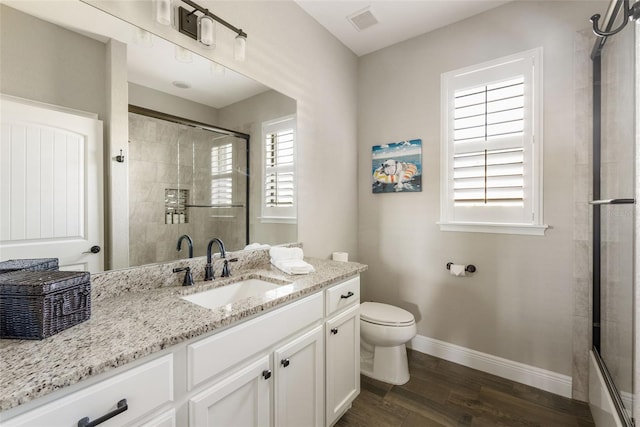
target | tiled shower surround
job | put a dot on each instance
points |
(165, 155)
(617, 222)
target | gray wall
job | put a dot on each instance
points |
(519, 305)
(46, 63)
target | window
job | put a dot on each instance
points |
(491, 147)
(279, 189)
(222, 175)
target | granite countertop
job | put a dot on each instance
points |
(130, 325)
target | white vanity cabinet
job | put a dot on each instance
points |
(342, 357)
(295, 366)
(299, 381)
(268, 368)
(241, 399)
(126, 396)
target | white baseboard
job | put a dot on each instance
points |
(515, 371)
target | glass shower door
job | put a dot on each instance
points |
(617, 219)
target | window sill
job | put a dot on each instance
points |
(278, 220)
(480, 227)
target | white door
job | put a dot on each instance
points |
(343, 362)
(299, 381)
(50, 185)
(242, 399)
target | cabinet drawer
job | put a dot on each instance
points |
(211, 356)
(343, 295)
(145, 388)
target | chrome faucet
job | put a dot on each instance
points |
(189, 242)
(208, 269)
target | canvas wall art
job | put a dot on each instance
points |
(397, 167)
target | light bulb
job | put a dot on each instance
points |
(163, 11)
(207, 31)
(240, 48)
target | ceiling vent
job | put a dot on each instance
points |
(362, 19)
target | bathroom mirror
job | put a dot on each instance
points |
(165, 79)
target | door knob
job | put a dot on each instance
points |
(334, 331)
(285, 362)
(94, 250)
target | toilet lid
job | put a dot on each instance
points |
(385, 314)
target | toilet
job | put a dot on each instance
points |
(384, 331)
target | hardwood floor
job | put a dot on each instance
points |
(442, 393)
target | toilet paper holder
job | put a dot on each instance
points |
(468, 268)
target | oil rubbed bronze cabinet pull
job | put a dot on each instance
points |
(121, 407)
(348, 295)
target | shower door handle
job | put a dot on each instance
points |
(613, 202)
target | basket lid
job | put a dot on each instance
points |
(40, 282)
(24, 264)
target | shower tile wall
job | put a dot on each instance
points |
(168, 155)
(582, 228)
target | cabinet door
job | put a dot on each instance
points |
(299, 381)
(343, 362)
(166, 419)
(242, 399)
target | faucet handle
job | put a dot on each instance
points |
(188, 277)
(226, 270)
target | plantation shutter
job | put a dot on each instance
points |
(221, 175)
(279, 167)
(279, 188)
(488, 113)
(491, 160)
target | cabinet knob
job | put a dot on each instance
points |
(334, 331)
(266, 374)
(285, 362)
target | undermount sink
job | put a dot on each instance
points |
(229, 294)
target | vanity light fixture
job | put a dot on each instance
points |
(240, 47)
(162, 11)
(202, 28)
(207, 31)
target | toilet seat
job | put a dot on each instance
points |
(385, 314)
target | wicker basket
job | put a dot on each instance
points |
(36, 305)
(38, 264)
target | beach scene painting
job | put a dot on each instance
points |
(397, 167)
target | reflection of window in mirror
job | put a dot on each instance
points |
(279, 189)
(221, 175)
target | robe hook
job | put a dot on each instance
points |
(630, 14)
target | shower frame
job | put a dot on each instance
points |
(199, 125)
(613, 12)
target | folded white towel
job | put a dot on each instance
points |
(253, 246)
(293, 266)
(279, 253)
